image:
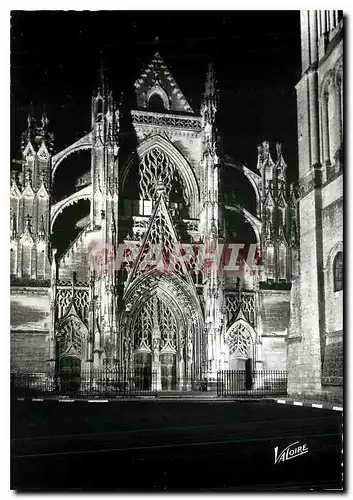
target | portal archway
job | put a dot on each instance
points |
(163, 326)
(71, 336)
(156, 334)
(174, 161)
(240, 352)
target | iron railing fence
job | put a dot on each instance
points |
(172, 383)
(92, 383)
(252, 383)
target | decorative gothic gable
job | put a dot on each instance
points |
(29, 150)
(42, 192)
(14, 191)
(71, 335)
(43, 153)
(160, 248)
(240, 338)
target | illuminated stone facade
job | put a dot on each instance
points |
(192, 312)
(315, 340)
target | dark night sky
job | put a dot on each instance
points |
(56, 55)
(55, 58)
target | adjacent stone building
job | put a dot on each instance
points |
(315, 340)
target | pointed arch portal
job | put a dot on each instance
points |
(176, 159)
(240, 344)
(71, 337)
(163, 326)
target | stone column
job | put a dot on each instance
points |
(189, 356)
(325, 130)
(304, 23)
(180, 360)
(332, 19)
(53, 299)
(339, 101)
(156, 364)
(314, 121)
(328, 23)
(323, 21)
(313, 36)
(334, 121)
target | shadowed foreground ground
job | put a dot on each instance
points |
(170, 445)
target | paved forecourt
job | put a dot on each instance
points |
(174, 445)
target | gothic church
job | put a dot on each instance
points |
(109, 300)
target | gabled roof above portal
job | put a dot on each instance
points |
(156, 89)
(160, 250)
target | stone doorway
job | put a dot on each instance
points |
(244, 375)
(168, 372)
(69, 374)
(143, 371)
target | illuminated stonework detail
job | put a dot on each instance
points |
(156, 167)
(240, 341)
(71, 334)
(155, 320)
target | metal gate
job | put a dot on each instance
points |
(252, 383)
(91, 383)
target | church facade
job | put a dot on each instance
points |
(161, 277)
(154, 280)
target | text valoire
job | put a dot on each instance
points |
(292, 451)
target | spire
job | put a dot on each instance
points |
(210, 86)
(268, 232)
(41, 229)
(53, 265)
(209, 107)
(35, 135)
(27, 178)
(29, 132)
(28, 224)
(101, 77)
(281, 236)
(29, 121)
(265, 150)
(14, 190)
(259, 157)
(208, 114)
(44, 121)
(292, 195)
(13, 226)
(112, 224)
(281, 164)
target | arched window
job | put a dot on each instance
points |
(338, 272)
(239, 340)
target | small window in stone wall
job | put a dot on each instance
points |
(338, 272)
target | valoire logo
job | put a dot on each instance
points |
(292, 451)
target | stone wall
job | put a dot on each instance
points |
(87, 248)
(274, 321)
(332, 214)
(274, 351)
(274, 311)
(29, 323)
(304, 353)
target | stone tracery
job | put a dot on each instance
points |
(71, 336)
